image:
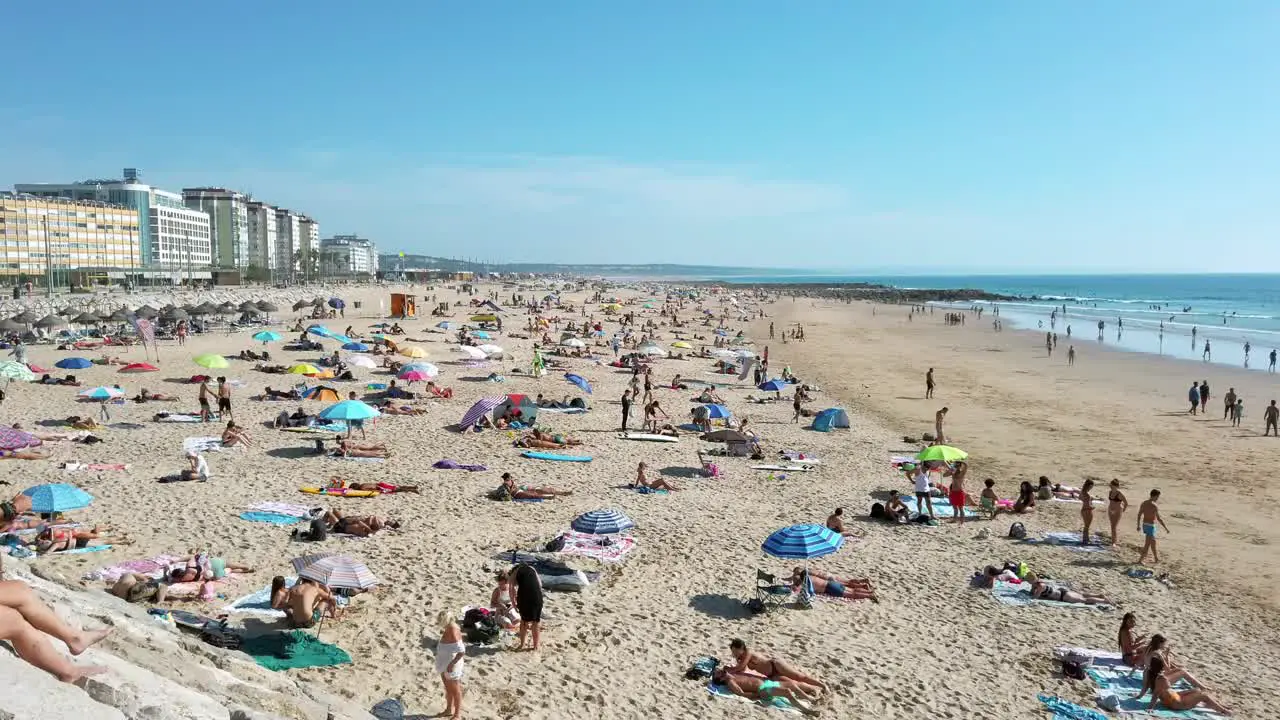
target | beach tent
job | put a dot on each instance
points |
(523, 404)
(489, 305)
(322, 392)
(831, 418)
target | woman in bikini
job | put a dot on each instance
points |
(747, 660)
(1160, 683)
(1132, 649)
(1117, 504)
(60, 539)
(643, 481)
(1044, 591)
(357, 526)
(1086, 510)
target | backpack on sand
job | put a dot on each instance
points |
(1018, 531)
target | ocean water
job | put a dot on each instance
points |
(1143, 313)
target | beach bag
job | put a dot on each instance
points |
(878, 512)
(1075, 664)
(556, 544)
(1018, 531)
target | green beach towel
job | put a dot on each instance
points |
(292, 650)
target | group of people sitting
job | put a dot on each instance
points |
(1161, 674)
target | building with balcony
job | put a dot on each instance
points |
(228, 213)
(348, 255)
(51, 236)
(263, 235)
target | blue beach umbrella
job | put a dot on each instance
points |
(320, 330)
(57, 497)
(802, 542)
(717, 412)
(774, 385)
(73, 363)
(602, 522)
(481, 334)
(356, 347)
(266, 336)
(337, 303)
(579, 381)
(349, 410)
(101, 393)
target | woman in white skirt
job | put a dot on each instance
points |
(450, 656)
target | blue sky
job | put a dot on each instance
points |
(928, 135)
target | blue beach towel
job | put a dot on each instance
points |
(1019, 595)
(1065, 710)
(777, 703)
(84, 550)
(269, 517)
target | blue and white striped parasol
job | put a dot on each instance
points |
(802, 542)
(602, 522)
(101, 393)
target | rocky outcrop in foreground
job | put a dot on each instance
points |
(154, 671)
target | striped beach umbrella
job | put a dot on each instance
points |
(11, 439)
(16, 371)
(335, 571)
(602, 522)
(802, 542)
(57, 497)
(101, 392)
(482, 407)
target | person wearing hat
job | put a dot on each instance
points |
(199, 469)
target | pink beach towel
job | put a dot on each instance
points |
(576, 543)
(154, 567)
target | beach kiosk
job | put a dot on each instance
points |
(403, 306)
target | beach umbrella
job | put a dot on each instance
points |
(10, 325)
(267, 307)
(335, 571)
(320, 331)
(681, 345)
(204, 308)
(943, 453)
(318, 302)
(26, 317)
(356, 347)
(579, 381)
(744, 353)
(521, 406)
(303, 369)
(651, 350)
(426, 369)
(146, 311)
(13, 439)
(175, 314)
(138, 368)
(57, 497)
(446, 325)
(73, 363)
(301, 304)
(717, 412)
(248, 307)
(16, 371)
(484, 318)
(211, 361)
(167, 308)
(412, 376)
(482, 335)
(602, 522)
(482, 407)
(413, 351)
(85, 318)
(573, 343)
(774, 385)
(101, 393)
(266, 336)
(50, 321)
(349, 410)
(363, 361)
(802, 542)
(67, 311)
(118, 316)
(489, 350)
(473, 353)
(336, 303)
(226, 308)
(726, 436)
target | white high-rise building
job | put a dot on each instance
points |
(288, 240)
(180, 236)
(348, 255)
(228, 220)
(263, 235)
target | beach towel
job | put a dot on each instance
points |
(1069, 540)
(776, 703)
(202, 444)
(281, 508)
(72, 466)
(331, 456)
(1019, 595)
(1066, 710)
(258, 603)
(447, 464)
(153, 567)
(83, 551)
(270, 518)
(126, 426)
(592, 546)
(562, 411)
(292, 650)
(177, 418)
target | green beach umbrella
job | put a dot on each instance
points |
(944, 453)
(16, 371)
(210, 361)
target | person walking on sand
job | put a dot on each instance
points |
(1117, 504)
(1271, 416)
(1148, 516)
(938, 417)
(1071, 355)
(1207, 355)
(1237, 412)
(451, 652)
(626, 408)
(1228, 403)
(1193, 396)
(928, 385)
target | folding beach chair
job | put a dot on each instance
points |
(770, 592)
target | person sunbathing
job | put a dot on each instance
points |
(346, 448)
(24, 454)
(359, 526)
(15, 514)
(235, 435)
(746, 660)
(24, 623)
(43, 435)
(308, 601)
(1160, 682)
(761, 689)
(60, 539)
(384, 488)
(508, 490)
(824, 584)
(148, 396)
(136, 588)
(437, 391)
(389, 407)
(1043, 591)
(668, 430)
(270, 369)
(269, 393)
(709, 396)
(643, 481)
(202, 567)
(554, 437)
(110, 360)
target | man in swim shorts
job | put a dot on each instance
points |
(1148, 516)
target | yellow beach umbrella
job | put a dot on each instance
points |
(303, 369)
(211, 361)
(484, 318)
(413, 351)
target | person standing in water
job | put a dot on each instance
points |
(1247, 348)
(1271, 368)
(1148, 516)
(1207, 355)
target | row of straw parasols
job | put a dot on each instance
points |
(68, 316)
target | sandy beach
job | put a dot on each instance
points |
(931, 647)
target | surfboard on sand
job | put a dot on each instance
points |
(648, 437)
(535, 455)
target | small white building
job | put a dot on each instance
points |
(348, 255)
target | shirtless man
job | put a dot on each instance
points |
(928, 385)
(1148, 516)
(937, 425)
(835, 522)
(205, 390)
(772, 668)
(758, 689)
(307, 600)
(1271, 416)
